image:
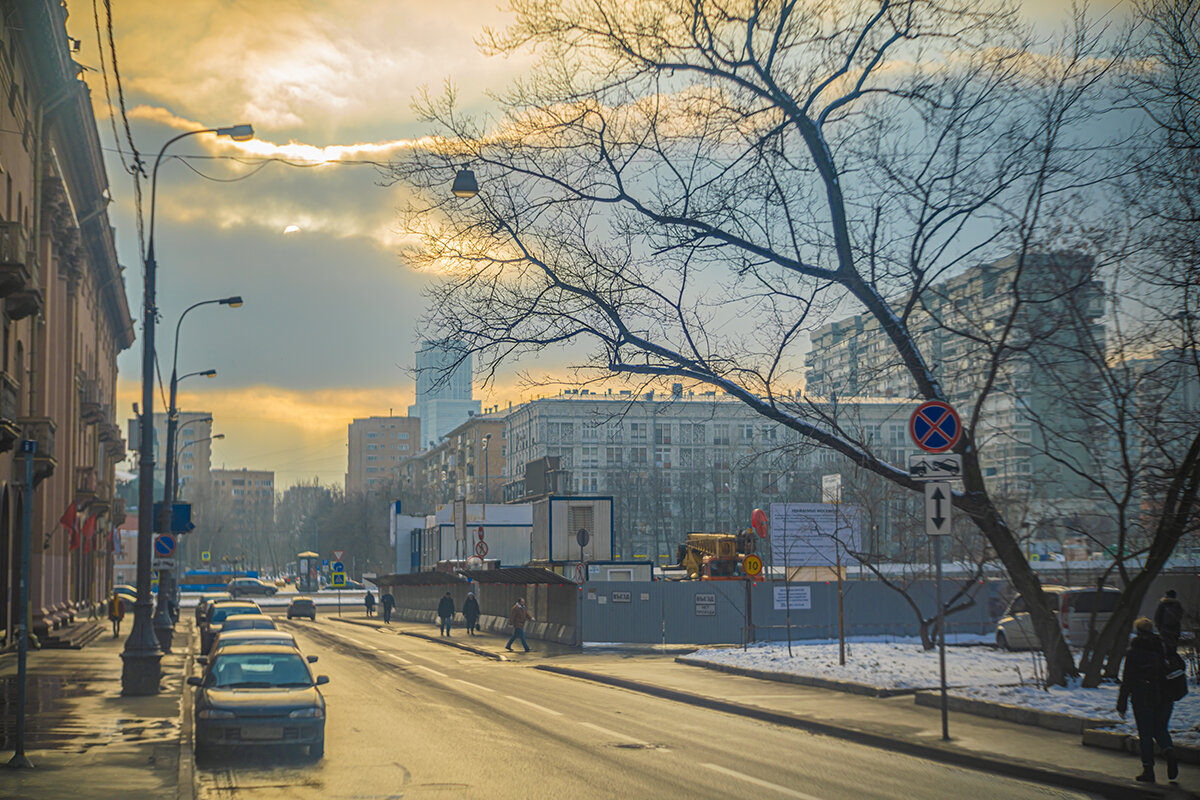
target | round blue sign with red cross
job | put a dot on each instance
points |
(935, 426)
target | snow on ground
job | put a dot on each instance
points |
(978, 672)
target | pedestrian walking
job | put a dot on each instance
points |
(1144, 682)
(470, 612)
(1168, 618)
(445, 612)
(369, 602)
(517, 618)
(388, 602)
(116, 612)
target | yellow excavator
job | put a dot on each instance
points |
(715, 556)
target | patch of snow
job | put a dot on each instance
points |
(978, 672)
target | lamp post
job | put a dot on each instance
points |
(487, 483)
(142, 656)
(182, 548)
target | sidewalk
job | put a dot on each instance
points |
(894, 723)
(81, 733)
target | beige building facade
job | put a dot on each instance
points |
(63, 320)
(376, 448)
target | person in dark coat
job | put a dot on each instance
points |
(470, 612)
(1168, 618)
(517, 618)
(388, 602)
(445, 612)
(1142, 682)
(369, 602)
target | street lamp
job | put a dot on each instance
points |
(175, 488)
(487, 483)
(464, 185)
(142, 656)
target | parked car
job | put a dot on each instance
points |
(302, 607)
(239, 587)
(216, 615)
(251, 637)
(261, 695)
(1079, 611)
(205, 599)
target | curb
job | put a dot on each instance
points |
(359, 622)
(945, 754)
(1050, 720)
(185, 787)
(850, 687)
(1106, 739)
(479, 651)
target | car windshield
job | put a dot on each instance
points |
(234, 670)
(220, 614)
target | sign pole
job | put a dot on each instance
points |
(19, 759)
(941, 623)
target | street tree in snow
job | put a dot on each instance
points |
(687, 190)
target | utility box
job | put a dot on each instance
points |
(557, 522)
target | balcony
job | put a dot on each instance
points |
(14, 259)
(85, 486)
(10, 403)
(91, 407)
(40, 430)
(24, 303)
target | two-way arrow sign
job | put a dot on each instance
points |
(937, 509)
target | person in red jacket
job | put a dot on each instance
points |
(517, 618)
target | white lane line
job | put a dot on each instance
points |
(757, 782)
(612, 734)
(474, 685)
(431, 669)
(543, 709)
(397, 658)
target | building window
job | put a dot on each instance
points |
(746, 432)
(372, 435)
(662, 457)
(613, 455)
(402, 435)
(662, 433)
(616, 432)
(370, 447)
(637, 431)
(591, 431)
(721, 434)
(637, 455)
(372, 458)
(590, 457)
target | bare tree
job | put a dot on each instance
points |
(688, 189)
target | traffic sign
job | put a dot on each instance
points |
(752, 565)
(583, 537)
(935, 426)
(324, 562)
(481, 549)
(339, 580)
(164, 563)
(206, 556)
(339, 566)
(164, 545)
(937, 509)
(337, 554)
(479, 533)
(935, 467)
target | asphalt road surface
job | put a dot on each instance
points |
(413, 719)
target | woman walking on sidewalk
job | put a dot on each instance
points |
(1143, 681)
(470, 612)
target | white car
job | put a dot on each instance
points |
(1079, 610)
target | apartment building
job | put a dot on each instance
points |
(377, 447)
(193, 450)
(1053, 307)
(470, 462)
(63, 320)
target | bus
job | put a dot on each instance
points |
(208, 580)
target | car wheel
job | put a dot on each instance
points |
(313, 618)
(1002, 641)
(289, 616)
(317, 748)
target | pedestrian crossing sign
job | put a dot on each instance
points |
(206, 556)
(339, 580)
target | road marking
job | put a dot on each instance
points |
(543, 709)
(613, 734)
(758, 782)
(474, 685)
(431, 669)
(397, 658)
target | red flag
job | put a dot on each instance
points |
(89, 534)
(67, 520)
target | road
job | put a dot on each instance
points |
(411, 718)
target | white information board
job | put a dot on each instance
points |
(800, 596)
(812, 534)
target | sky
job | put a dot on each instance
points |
(328, 330)
(329, 327)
